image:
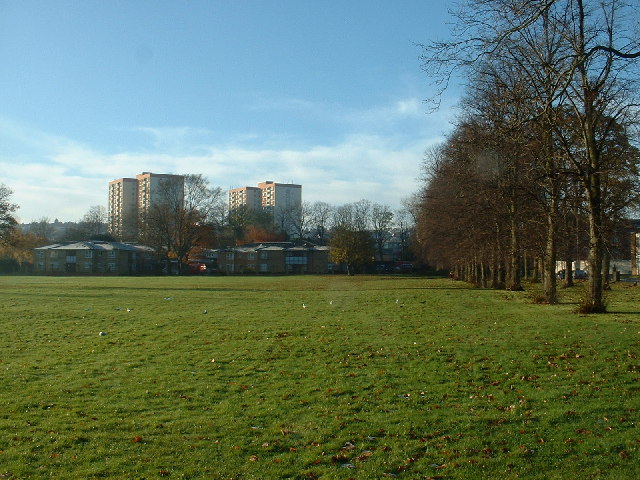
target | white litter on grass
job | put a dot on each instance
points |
(129, 309)
(205, 312)
(304, 305)
(102, 334)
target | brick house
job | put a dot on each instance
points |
(271, 258)
(94, 258)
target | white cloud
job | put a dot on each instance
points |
(61, 178)
(409, 107)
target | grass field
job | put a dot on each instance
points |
(389, 376)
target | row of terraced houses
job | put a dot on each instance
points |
(116, 258)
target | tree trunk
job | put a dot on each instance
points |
(568, 272)
(606, 264)
(514, 281)
(549, 264)
(594, 303)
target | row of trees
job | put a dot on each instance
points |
(186, 217)
(543, 144)
(356, 232)
(359, 231)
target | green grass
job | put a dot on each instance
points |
(450, 382)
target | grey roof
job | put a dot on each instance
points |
(271, 247)
(96, 245)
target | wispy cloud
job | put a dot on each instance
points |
(61, 178)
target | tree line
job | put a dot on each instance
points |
(544, 148)
(189, 216)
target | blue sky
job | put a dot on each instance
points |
(325, 94)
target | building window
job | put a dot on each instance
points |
(250, 256)
(87, 266)
(264, 255)
(264, 267)
(112, 254)
(230, 256)
(111, 267)
(293, 260)
(88, 254)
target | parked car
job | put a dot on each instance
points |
(404, 267)
(580, 275)
(577, 274)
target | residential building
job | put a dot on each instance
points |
(156, 187)
(123, 208)
(250, 197)
(94, 258)
(131, 198)
(282, 200)
(271, 258)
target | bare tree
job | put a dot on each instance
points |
(298, 218)
(94, 222)
(381, 221)
(182, 217)
(342, 216)
(412, 203)
(403, 227)
(361, 214)
(577, 55)
(320, 215)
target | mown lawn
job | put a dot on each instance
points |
(389, 376)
